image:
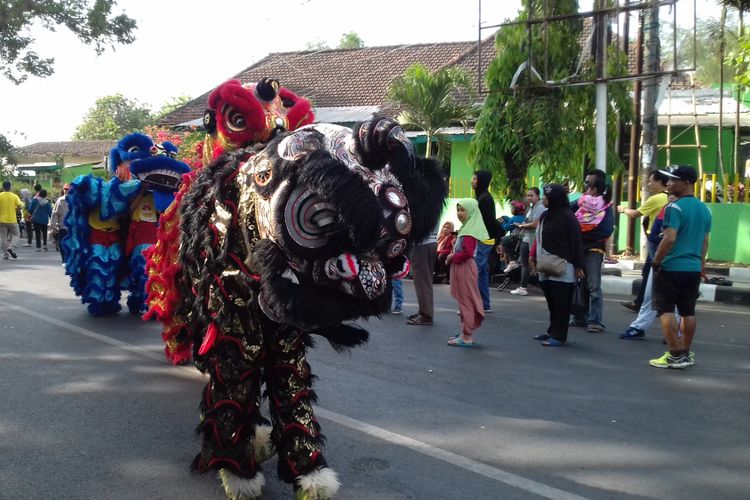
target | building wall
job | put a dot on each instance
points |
(730, 232)
(710, 154)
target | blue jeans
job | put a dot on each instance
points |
(398, 294)
(593, 298)
(483, 272)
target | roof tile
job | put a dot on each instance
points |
(348, 77)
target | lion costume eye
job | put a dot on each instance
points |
(235, 120)
(134, 149)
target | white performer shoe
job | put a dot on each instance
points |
(239, 488)
(320, 484)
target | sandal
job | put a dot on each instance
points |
(459, 342)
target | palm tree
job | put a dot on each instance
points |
(741, 6)
(429, 99)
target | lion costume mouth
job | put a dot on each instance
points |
(161, 173)
(162, 178)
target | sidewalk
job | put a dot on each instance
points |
(624, 278)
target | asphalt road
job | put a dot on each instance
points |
(90, 409)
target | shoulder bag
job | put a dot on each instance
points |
(548, 263)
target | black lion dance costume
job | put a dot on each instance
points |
(279, 242)
(238, 116)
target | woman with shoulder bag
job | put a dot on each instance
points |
(557, 256)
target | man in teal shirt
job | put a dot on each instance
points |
(678, 266)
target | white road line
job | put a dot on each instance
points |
(446, 456)
(465, 463)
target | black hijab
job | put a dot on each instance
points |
(561, 233)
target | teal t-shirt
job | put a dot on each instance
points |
(692, 220)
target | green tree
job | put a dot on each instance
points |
(7, 157)
(705, 52)
(92, 24)
(536, 124)
(432, 100)
(170, 105)
(112, 117)
(316, 44)
(351, 40)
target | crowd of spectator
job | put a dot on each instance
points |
(31, 219)
(563, 244)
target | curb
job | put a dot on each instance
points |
(615, 285)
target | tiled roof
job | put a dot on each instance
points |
(68, 148)
(349, 77)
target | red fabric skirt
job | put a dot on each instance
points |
(140, 233)
(465, 290)
(105, 238)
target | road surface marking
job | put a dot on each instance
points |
(465, 463)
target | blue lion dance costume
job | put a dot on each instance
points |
(110, 223)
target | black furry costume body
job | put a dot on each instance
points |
(280, 244)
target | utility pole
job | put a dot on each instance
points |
(635, 139)
(650, 113)
(600, 42)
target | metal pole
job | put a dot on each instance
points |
(635, 138)
(479, 49)
(601, 89)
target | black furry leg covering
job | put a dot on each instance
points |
(230, 407)
(296, 433)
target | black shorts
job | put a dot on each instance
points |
(676, 289)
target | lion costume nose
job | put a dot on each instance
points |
(344, 267)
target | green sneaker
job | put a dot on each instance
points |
(691, 359)
(669, 361)
(660, 362)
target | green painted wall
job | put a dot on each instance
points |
(710, 154)
(461, 171)
(730, 232)
(731, 222)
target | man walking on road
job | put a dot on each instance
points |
(10, 203)
(481, 184)
(678, 265)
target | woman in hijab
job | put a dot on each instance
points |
(464, 271)
(558, 233)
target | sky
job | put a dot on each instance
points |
(187, 48)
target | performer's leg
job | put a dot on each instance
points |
(102, 288)
(296, 431)
(138, 278)
(230, 408)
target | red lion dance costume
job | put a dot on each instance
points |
(237, 116)
(281, 240)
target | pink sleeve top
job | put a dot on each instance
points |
(468, 247)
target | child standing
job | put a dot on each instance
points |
(397, 300)
(464, 271)
(445, 242)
